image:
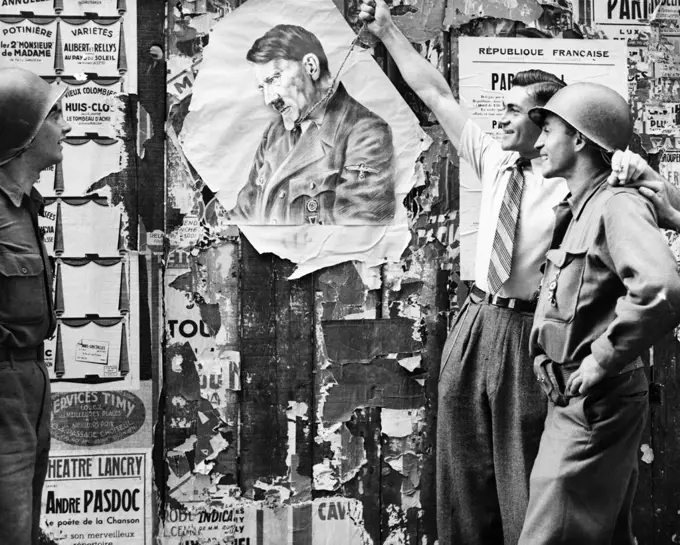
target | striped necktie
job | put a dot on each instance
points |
(503, 242)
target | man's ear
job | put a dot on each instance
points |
(312, 66)
(580, 141)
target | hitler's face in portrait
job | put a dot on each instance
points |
(288, 86)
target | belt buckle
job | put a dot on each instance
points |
(495, 300)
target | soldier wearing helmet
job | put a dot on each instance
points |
(31, 132)
(610, 290)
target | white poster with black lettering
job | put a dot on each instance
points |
(99, 499)
(486, 70)
(625, 19)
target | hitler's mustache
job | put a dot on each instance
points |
(278, 105)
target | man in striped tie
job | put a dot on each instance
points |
(491, 409)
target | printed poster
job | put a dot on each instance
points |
(71, 39)
(316, 173)
(328, 521)
(103, 8)
(98, 499)
(486, 69)
(86, 419)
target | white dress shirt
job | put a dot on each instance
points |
(493, 167)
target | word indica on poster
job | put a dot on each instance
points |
(232, 514)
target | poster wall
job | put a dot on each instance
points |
(486, 68)
(98, 487)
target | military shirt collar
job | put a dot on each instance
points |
(578, 200)
(10, 187)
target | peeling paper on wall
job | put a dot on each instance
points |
(410, 363)
(219, 371)
(297, 417)
(400, 422)
(144, 129)
(188, 487)
(349, 456)
(182, 194)
(223, 129)
(397, 524)
(459, 12)
(419, 20)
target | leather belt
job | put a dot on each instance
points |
(566, 370)
(554, 377)
(30, 353)
(519, 305)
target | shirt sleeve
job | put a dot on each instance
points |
(633, 246)
(480, 150)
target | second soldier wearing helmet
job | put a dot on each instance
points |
(609, 291)
(31, 133)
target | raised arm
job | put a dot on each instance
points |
(419, 74)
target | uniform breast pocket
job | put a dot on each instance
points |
(562, 283)
(22, 288)
(313, 183)
(312, 195)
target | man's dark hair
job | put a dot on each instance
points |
(540, 85)
(290, 43)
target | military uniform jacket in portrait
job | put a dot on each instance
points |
(339, 172)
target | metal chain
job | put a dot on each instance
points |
(331, 89)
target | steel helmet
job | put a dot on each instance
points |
(596, 111)
(25, 101)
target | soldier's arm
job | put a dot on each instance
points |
(633, 247)
(419, 74)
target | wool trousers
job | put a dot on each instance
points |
(489, 422)
(584, 479)
(24, 447)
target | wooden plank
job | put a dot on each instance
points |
(360, 341)
(664, 482)
(277, 358)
